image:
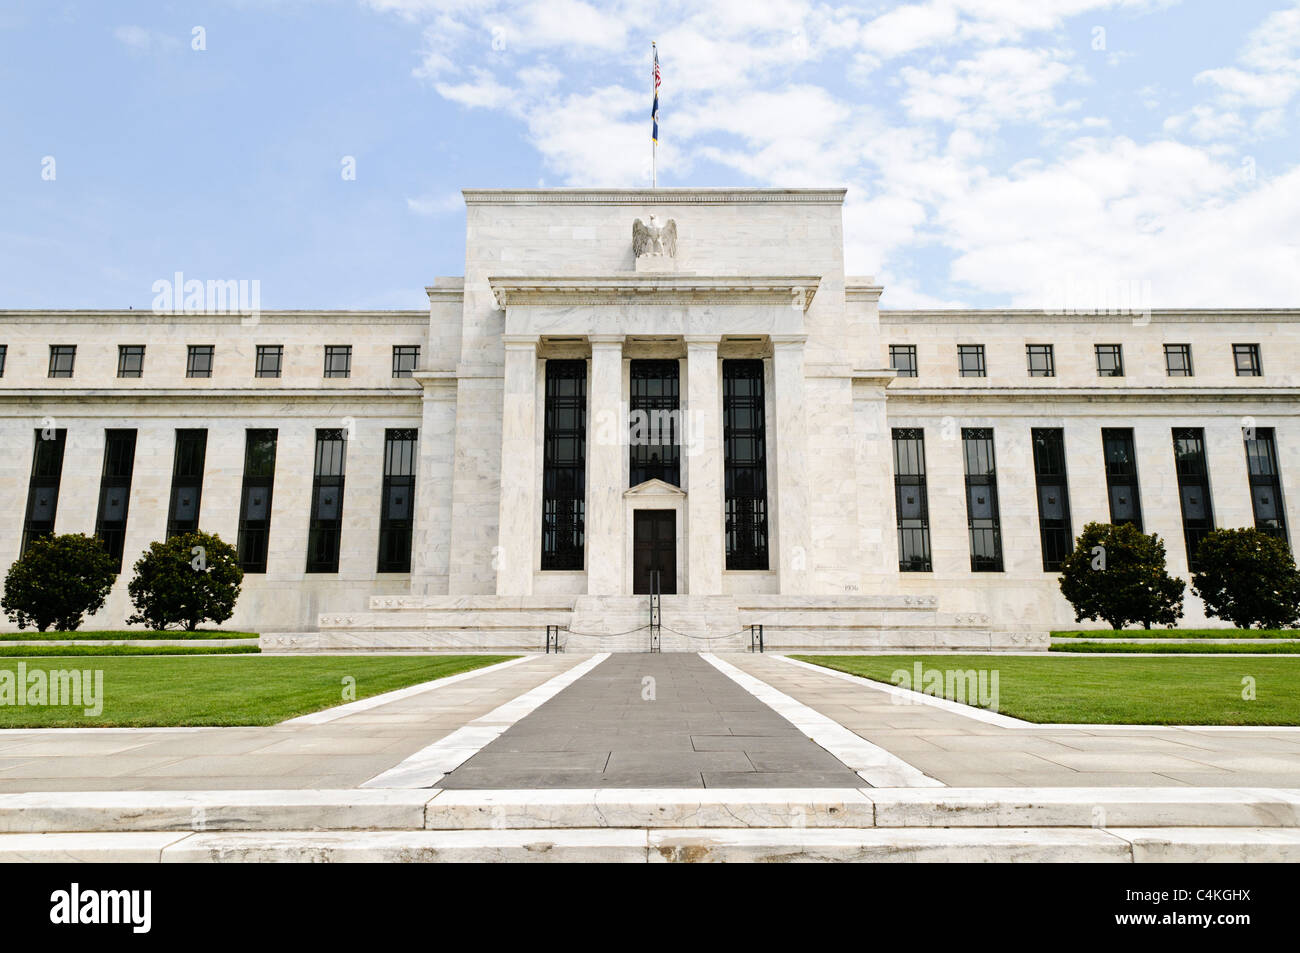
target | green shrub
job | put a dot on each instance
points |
(1248, 578)
(1117, 573)
(184, 581)
(57, 581)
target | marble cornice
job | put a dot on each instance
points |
(1094, 394)
(653, 196)
(652, 288)
(110, 396)
(1031, 316)
(127, 317)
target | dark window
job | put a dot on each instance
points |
(406, 358)
(1193, 489)
(187, 482)
(270, 360)
(397, 505)
(1247, 360)
(902, 358)
(115, 491)
(326, 524)
(654, 425)
(1054, 529)
(744, 440)
(910, 500)
(1178, 360)
(4, 353)
(564, 465)
(970, 360)
(130, 360)
(255, 499)
(1110, 360)
(338, 360)
(1042, 362)
(1121, 476)
(43, 490)
(1265, 481)
(62, 359)
(982, 500)
(198, 360)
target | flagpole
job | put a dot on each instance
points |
(654, 142)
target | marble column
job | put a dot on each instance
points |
(606, 449)
(520, 513)
(431, 540)
(705, 554)
(788, 492)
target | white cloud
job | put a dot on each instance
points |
(140, 40)
(443, 203)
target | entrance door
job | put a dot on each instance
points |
(654, 546)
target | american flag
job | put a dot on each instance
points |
(654, 109)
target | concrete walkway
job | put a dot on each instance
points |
(663, 721)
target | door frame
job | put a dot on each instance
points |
(654, 495)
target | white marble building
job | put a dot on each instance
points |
(739, 415)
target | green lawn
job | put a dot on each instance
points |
(36, 650)
(97, 634)
(1177, 634)
(1139, 691)
(1156, 647)
(247, 690)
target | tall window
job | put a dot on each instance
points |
(564, 465)
(982, 500)
(4, 353)
(910, 500)
(198, 360)
(970, 360)
(1193, 488)
(1246, 358)
(744, 440)
(1110, 360)
(654, 427)
(406, 358)
(396, 515)
(62, 359)
(130, 360)
(115, 491)
(326, 524)
(1041, 360)
(1178, 360)
(902, 358)
(187, 482)
(338, 360)
(1121, 475)
(270, 360)
(43, 489)
(255, 499)
(1054, 530)
(1265, 481)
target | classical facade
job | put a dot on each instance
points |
(675, 391)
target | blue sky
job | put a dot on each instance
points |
(992, 148)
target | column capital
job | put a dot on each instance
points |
(520, 342)
(703, 340)
(606, 340)
(788, 340)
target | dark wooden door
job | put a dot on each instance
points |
(654, 547)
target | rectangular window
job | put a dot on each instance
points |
(187, 482)
(902, 358)
(911, 501)
(270, 360)
(982, 500)
(1193, 489)
(62, 359)
(326, 525)
(970, 360)
(255, 498)
(1121, 475)
(406, 358)
(1178, 360)
(43, 489)
(338, 360)
(397, 513)
(1041, 359)
(1110, 360)
(130, 360)
(1246, 357)
(4, 354)
(744, 441)
(654, 425)
(1265, 481)
(564, 465)
(1054, 529)
(198, 360)
(115, 491)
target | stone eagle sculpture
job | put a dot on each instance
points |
(654, 239)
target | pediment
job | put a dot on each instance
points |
(656, 487)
